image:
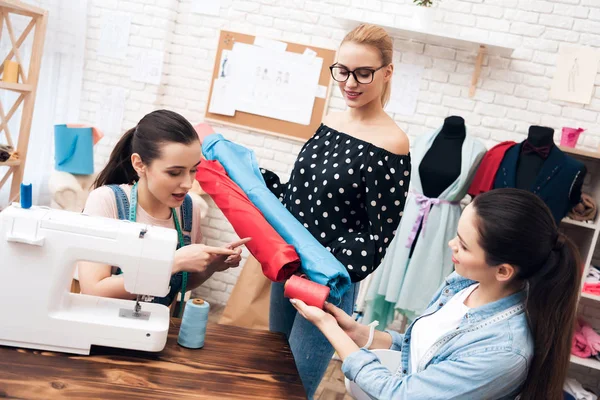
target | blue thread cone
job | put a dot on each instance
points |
(25, 195)
(193, 324)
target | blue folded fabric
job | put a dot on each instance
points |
(317, 263)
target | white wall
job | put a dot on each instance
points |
(512, 95)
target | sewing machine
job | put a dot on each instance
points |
(39, 249)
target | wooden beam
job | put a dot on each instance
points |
(1, 28)
(18, 7)
(6, 119)
(477, 71)
(6, 176)
(20, 41)
(11, 34)
(4, 123)
(29, 103)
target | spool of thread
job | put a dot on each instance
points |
(25, 195)
(11, 72)
(310, 292)
(193, 324)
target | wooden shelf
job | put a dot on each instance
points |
(440, 35)
(586, 362)
(10, 163)
(569, 221)
(18, 7)
(437, 35)
(35, 30)
(590, 296)
(16, 87)
(583, 153)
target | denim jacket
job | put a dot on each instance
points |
(486, 357)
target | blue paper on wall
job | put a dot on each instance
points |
(74, 150)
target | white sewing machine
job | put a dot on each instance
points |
(39, 249)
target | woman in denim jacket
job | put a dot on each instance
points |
(501, 325)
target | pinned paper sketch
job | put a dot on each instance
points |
(270, 44)
(109, 116)
(222, 100)
(275, 84)
(225, 64)
(406, 83)
(148, 67)
(206, 7)
(114, 36)
(575, 74)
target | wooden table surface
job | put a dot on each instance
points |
(235, 363)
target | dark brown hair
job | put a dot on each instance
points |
(517, 228)
(153, 131)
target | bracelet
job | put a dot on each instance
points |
(372, 326)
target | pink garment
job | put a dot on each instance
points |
(580, 346)
(591, 337)
(203, 130)
(592, 288)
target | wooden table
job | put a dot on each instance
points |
(235, 363)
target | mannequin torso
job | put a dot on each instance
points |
(530, 163)
(442, 163)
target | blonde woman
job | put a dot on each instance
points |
(348, 186)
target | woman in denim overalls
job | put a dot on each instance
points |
(147, 179)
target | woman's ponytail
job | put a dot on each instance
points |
(517, 228)
(551, 308)
(119, 169)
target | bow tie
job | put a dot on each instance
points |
(542, 151)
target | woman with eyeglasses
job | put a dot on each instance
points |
(348, 187)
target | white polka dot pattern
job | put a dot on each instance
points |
(352, 198)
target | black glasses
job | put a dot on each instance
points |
(362, 75)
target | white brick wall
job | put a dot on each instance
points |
(513, 93)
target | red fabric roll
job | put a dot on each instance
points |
(309, 292)
(277, 258)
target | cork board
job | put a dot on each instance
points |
(268, 125)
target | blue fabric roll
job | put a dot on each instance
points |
(317, 263)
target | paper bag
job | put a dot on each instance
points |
(248, 305)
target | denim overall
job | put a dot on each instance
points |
(186, 216)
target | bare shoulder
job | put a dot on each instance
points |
(333, 119)
(395, 139)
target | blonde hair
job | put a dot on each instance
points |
(377, 37)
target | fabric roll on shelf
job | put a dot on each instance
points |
(277, 258)
(317, 263)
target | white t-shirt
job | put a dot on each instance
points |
(427, 330)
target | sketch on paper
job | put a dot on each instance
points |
(406, 83)
(575, 74)
(148, 67)
(109, 116)
(114, 36)
(224, 64)
(274, 84)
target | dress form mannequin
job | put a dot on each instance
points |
(530, 163)
(441, 164)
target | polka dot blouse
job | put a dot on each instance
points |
(349, 194)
